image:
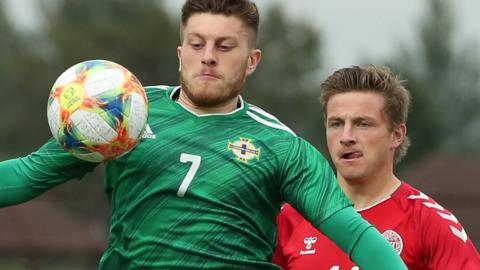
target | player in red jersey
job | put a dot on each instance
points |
(366, 110)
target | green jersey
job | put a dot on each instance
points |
(199, 191)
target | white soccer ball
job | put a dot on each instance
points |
(97, 110)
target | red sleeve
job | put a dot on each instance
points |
(286, 222)
(279, 259)
(447, 245)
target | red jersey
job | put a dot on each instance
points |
(426, 235)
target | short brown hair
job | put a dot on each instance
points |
(245, 10)
(370, 78)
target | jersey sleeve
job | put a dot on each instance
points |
(278, 257)
(364, 244)
(309, 184)
(446, 243)
(24, 178)
(286, 222)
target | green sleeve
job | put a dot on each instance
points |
(25, 178)
(309, 183)
(14, 187)
(364, 244)
(372, 251)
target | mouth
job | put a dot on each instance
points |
(208, 76)
(351, 155)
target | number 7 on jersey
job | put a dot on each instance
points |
(195, 160)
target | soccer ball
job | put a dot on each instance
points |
(97, 110)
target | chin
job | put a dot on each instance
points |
(210, 93)
(351, 175)
(353, 178)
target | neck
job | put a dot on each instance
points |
(225, 107)
(367, 192)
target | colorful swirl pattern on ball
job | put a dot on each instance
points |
(109, 134)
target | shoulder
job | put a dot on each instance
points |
(285, 142)
(156, 92)
(445, 243)
(276, 132)
(268, 121)
(435, 221)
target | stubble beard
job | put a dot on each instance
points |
(212, 95)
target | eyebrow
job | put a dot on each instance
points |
(221, 38)
(359, 118)
(334, 118)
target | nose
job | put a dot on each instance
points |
(347, 137)
(209, 57)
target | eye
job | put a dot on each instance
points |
(334, 124)
(225, 47)
(196, 45)
(364, 124)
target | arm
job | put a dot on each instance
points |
(310, 186)
(15, 188)
(25, 178)
(364, 244)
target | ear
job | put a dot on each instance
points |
(398, 135)
(179, 55)
(253, 60)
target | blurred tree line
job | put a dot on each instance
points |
(442, 75)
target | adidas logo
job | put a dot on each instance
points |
(148, 133)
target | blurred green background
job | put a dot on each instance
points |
(67, 227)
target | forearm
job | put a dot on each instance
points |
(372, 251)
(25, 178)
(364, 244)
(15, 187)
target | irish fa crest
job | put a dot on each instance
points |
(244, 150)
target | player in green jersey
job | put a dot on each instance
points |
(202, 190)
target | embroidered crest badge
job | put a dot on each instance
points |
(244, 150)
(394, 239)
